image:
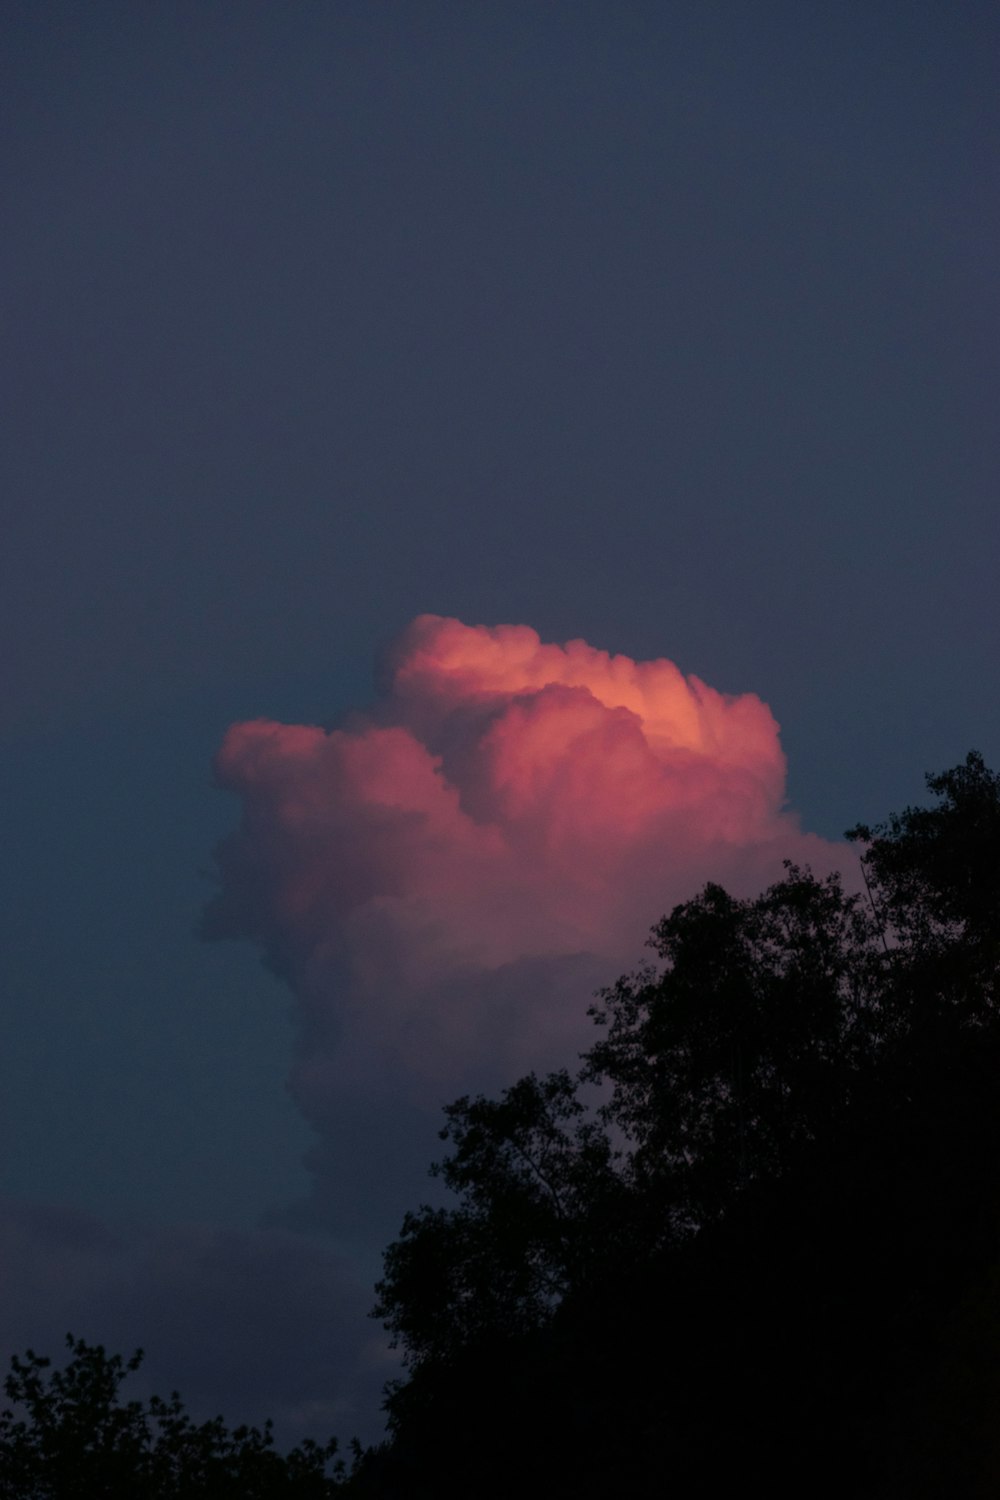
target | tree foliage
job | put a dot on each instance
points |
(934, 873)
(744, 1044)
(69, 1436)
(525, 1168)
(772, 1188)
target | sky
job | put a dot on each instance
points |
(472, 473)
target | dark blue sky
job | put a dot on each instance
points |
(670, 326)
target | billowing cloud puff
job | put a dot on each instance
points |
(444, 881)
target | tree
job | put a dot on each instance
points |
(713, 1071)
(777, 1169)
(526, 1169)
(69, 1436)
(934, 876)
(744, 1045)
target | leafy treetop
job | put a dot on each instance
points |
(69, 1436)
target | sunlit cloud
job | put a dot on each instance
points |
(444, 880)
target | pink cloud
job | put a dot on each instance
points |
(444, 881)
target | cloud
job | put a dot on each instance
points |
(445, 879)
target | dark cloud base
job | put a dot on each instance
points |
(251, 1324)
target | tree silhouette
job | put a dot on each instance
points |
(755, 1231)
(69, 1436)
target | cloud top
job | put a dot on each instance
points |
(445, 879)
